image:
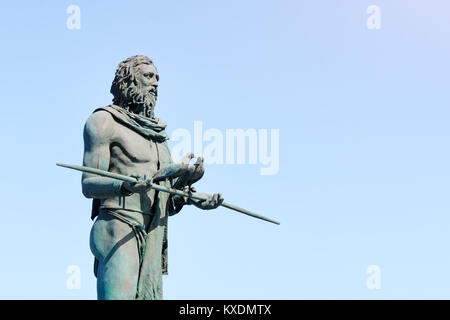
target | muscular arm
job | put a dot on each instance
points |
(98, 133)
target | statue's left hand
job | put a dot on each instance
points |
(212, 202)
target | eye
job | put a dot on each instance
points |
(157, 77)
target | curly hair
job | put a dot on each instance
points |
(124, 87)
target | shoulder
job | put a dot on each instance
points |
(99, 125)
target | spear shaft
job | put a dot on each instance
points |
(191, 195)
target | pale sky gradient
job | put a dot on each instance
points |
(363, 119)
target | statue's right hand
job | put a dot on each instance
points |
(140, 186)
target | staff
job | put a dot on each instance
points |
(191, 195)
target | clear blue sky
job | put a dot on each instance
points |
(364, 160)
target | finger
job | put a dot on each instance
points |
(206, 203)
(137, 176)
(213, 202)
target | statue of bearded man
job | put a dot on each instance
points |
(129, 235)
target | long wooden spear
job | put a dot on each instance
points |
(191, 195)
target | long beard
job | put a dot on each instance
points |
(141, 102)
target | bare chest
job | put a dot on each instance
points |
(132, 153)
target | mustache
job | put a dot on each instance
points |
(153, 91)
(141, 96)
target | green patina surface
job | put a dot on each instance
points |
(129, 235)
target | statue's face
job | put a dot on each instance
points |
(148, 77)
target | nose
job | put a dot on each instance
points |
(155, 79)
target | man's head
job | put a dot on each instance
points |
(135, 86)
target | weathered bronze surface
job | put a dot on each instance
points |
(129, 235)
(135, 186)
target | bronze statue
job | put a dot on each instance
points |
(129, 236)
(135, 186)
